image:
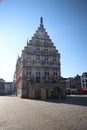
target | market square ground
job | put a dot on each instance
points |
(59, 114)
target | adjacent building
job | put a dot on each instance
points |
(8, 88)
(38, 69)
(74, 84)
(2, 86)
(84, 82)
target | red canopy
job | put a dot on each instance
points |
(84, 89)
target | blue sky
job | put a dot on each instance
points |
(64, 20)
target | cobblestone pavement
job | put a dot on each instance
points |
(60, 114)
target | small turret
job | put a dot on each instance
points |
(27, 41)
(41, 22)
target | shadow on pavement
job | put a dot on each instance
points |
(73, 100)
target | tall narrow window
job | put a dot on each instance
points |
(55, 75)
(86, 84)
(38, 59)
(46, 50)
(46, 59)
(29, 74)
(37, 50)
(54, 60)
(46, 75)
(29, 59)
(83, 85)
(37, 77)
(83, 80)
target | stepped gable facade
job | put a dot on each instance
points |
(39, 64)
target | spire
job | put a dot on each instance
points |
(41, 22)
(27, 41)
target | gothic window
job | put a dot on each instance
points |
(55, 75)
(83, 80)
(45, 42)
(46, 59)
(29, 74)
(37, 42)
(37, 77)
(37, 50)
(54, 60)
(46, 74)
(37, 73)
(29, 59)
(46, 50)
(38, 59)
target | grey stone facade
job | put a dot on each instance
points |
(38, 66)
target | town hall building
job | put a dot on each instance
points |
(38, 70)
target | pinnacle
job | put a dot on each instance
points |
(41, 22)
